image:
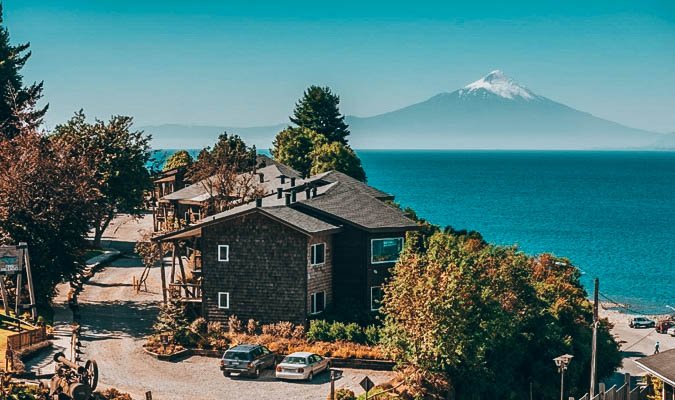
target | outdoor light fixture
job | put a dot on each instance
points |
(562, 362)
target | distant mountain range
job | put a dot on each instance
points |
(493, 112)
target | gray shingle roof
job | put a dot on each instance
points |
(336, 176)
(283, 168)
(298, 219)
(662, 365)
(354, 205)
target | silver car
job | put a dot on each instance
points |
(302, 366)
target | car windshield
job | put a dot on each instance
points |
(640, 319)
(237, 355)
(295, 360)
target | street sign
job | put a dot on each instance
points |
(367, 384)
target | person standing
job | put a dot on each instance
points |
(656, 347)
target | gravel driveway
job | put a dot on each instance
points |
(115, 321)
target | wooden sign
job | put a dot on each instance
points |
(11, 260)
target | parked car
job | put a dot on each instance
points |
(663, 325)
(641, 322)
(247, 359)
(302, 365)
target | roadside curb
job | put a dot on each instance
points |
(355, 363)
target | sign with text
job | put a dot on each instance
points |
(11, 260)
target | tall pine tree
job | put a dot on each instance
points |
(17, 103)
(319, 111)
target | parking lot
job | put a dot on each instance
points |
(116, 320)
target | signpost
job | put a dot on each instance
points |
(14, 260)
(367, 384)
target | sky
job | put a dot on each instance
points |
(245, 63)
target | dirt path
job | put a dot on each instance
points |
(115, 321)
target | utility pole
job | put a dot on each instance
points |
(594, 346)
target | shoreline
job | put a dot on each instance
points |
(634, 343)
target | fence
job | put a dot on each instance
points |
(21, 340)
(624, 392)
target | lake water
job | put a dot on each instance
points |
(611, 213)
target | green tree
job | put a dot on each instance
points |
(466, 315)
(294, 147)
(17, 102)
(319, 110)
(339, 157)
(181, 158)
(118, 156)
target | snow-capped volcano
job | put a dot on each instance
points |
(499, 84)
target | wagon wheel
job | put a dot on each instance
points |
(92, 373)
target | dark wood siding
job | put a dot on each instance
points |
(266, 274)
(320, 277)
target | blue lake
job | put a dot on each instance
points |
(611, 213)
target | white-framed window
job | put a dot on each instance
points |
(318, 300)
(224, 300)
(375, 297)
(318, 256)
(385, 250)
(223, 252)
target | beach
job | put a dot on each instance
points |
(635, 343)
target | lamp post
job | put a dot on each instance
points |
(562, 362)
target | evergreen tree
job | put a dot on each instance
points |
(17, 103)
(319, 111)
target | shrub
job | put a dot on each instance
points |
(215, 328)
(199, 326)
(344, 394)
(372, 335)
(234, 324)
(252, 326)
(354, 333)
(298, 332)
(319, 331)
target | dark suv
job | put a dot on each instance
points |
(247, 359)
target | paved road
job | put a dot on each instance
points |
(115, 321)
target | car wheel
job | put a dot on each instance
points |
(310, 377)
(257, 372)
(226, 374)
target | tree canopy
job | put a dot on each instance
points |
(464, 314)
(319, 110)
(294, 147)
(339, 157)
(17, 102)
(181, 158)
(46, 201)
(118, 156)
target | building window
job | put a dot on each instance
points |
(223, 252)
(385, 250)
(223, 300)
(318, 254)
(375, 298)
(318, 302)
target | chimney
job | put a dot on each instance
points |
(314, 191)
(279, 192)
(283, 179)
(308, 193)
(258, 202)
(292, 182)
(293, 198)
(262, 177)
(288, 199)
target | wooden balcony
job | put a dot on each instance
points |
(186, 292)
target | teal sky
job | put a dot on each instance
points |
(245, 63)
